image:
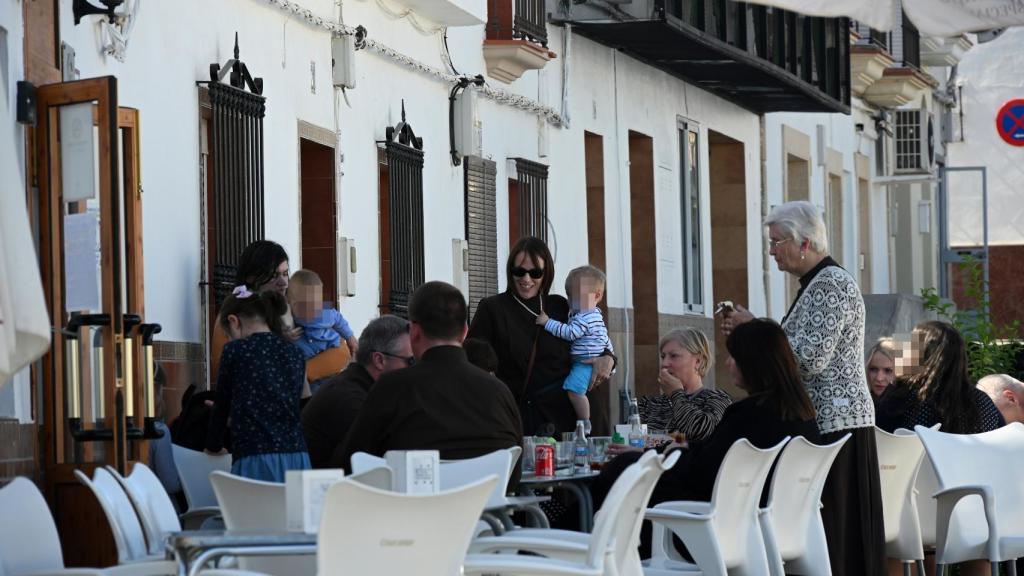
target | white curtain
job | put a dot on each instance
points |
(24, 322)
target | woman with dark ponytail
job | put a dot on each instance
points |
(259, 384)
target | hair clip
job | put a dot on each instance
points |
(241, 291)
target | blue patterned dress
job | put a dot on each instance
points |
(259, 384)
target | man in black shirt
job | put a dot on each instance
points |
(326, 419)
(442, 403)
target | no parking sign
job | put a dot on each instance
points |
(1010, 122)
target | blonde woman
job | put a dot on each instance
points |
(881, 366)
(684, 404)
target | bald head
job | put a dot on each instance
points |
(1007, 393)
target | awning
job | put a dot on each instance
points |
(935, 18)
(24, 321)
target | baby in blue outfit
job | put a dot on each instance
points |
(586, 330)
(322, 327)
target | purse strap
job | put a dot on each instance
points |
(533, 356)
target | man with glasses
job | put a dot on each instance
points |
(441, 403)
(383, 347)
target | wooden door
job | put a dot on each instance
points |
(95, 395)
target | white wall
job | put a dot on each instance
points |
(610, 94)
(991, 75)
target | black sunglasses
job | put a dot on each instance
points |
(409, 360)
(535, 273)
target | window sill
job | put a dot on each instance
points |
(507, 60)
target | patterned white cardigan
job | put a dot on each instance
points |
(826, 330)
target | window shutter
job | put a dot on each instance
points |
(533, 198)
(405, 189)
(481, 229)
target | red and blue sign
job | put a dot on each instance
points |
(1010, 122)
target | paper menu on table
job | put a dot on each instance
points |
(305, 492)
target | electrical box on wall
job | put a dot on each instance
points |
(468, 128)
(343, 61)
(460, 265)
(346, 266)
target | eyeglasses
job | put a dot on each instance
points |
(409, 360)
(535, 273)
(772, 244)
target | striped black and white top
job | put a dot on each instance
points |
(695, 415)
(586, 331)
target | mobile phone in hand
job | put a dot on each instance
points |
(724, 307)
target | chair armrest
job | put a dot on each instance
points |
(946, 501)
(229, 572)
(691, 506)
(548, 547)
(193, 518)
(71, 572)
(663, 516)
(524, 566)
(552, 533)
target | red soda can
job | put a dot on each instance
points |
(545, 461)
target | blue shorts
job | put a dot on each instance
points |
(578, 380)
(270, 467)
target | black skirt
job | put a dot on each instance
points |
(852, 507)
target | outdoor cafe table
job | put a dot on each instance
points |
(194, 549)
(577, 484)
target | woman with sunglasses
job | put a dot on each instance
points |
(532, 362)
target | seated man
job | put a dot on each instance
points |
(1007, 393)
(442, 403)
(326, 419)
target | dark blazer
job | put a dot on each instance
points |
(442, 403)
(330, 412)
(693, 476)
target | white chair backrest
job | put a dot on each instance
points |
(737, 496)
(151, 502)
(124, 523)
(247, 504)
(254, 505)
(194, 471)
(899, 459)
(625, 535)
(29, 542)
(795, 494)
(361, 462)
(379, 477)
(517, 453)
(927, 484)
(364, 530)
(992, 458)
(455, 473)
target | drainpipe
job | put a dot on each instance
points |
(765, 264)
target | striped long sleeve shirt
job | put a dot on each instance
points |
(695, 415)
(586, 331)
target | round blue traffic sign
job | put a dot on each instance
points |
(1010, 122)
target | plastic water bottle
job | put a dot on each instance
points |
(636, 435)
(582, 459)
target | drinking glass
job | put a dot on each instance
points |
(529, 454)
(598, 450)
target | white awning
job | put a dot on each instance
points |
(935, 18)
(24, 321)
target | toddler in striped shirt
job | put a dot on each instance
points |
(585, 329)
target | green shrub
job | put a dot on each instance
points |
(991, 349)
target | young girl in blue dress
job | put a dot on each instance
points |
(259, 384)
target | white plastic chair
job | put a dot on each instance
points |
(152, 504)
(610, 549)
(364, 530)
(194, 470)
(723, 535)
(455, 473)
(899, 460)
(379, 477)
(794, 534)
(29, 543)
(254, 505)
(361, 462)
(978, 511)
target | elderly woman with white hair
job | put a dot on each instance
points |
(825, 326)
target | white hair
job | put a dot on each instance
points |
(995, 384)
(800, 220)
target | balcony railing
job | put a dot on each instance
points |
(814, 49)
(903, 43)
(517, 20)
